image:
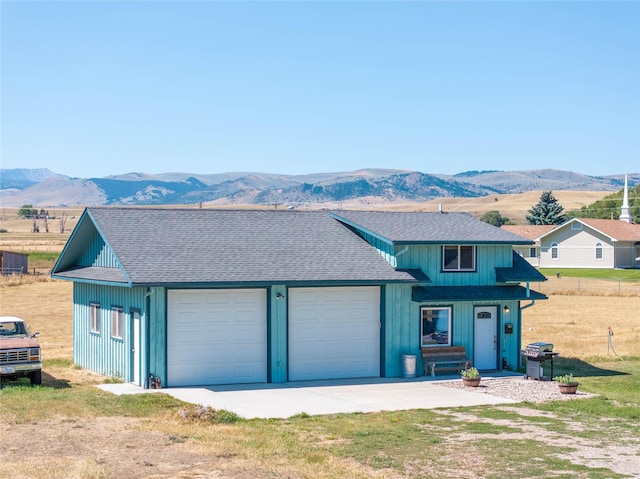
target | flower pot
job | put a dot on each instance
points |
(568, 388)
(471, 382)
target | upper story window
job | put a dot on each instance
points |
(554, 250)
(117, 320)
(94, 311)
(598, 250)
(459, 258)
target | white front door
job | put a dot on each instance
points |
(136, 347)
(485, 337)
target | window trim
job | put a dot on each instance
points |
(599, 252)
(449, 309)
(117, 322)
(554, 251)
(94, 318)
(459, 269)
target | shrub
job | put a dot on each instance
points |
(207, 414)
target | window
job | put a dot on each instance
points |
(598, 250)
(533, 253)
(459, 258)
(436, 326)
(554, 250)
(94, 310)
(116, 322)
(576, 226)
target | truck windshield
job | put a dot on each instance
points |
(12, 329)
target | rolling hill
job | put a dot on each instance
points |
(44, 188)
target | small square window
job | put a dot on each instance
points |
(459, 258)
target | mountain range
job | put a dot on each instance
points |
(44, 188)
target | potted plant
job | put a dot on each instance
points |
(470, 377)
(567, 383)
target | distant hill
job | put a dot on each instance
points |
(21, 178)
(547, 179)
(44, 188)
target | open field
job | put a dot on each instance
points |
(75, 430)
(514, 206)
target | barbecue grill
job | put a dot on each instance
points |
(536, 354)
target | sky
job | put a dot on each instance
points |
(96, 88)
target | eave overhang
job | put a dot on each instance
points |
(520, 272)
(431, 294)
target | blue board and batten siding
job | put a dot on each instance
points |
(429, 258)
(98, 254)
(99, 351)
(402, 327)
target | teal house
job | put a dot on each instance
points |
(202, 296)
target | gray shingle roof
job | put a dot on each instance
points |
(178, 246)
(107, 275)
(421, 227)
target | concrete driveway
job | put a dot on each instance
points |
(322, 397)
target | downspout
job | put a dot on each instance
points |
(533, 301)
(145, 358)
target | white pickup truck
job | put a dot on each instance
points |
(19, 351)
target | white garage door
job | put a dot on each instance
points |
(216, 337)
(334, 333)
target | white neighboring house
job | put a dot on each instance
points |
(583, 242)
(532, 232)
(591, 243)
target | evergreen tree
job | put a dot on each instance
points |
(547, 212)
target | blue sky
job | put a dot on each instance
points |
(95, 88)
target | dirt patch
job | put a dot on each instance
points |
(619, 453)
(106, 447)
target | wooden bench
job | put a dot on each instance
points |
(444, 358)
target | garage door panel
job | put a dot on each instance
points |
(334, 333)
(216, 337)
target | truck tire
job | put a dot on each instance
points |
(36, 377)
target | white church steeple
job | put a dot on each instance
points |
(624, 214)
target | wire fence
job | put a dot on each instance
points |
(587, 286)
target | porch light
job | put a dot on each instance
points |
(506, 309)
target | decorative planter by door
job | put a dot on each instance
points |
(568, 388)
(471, 382)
